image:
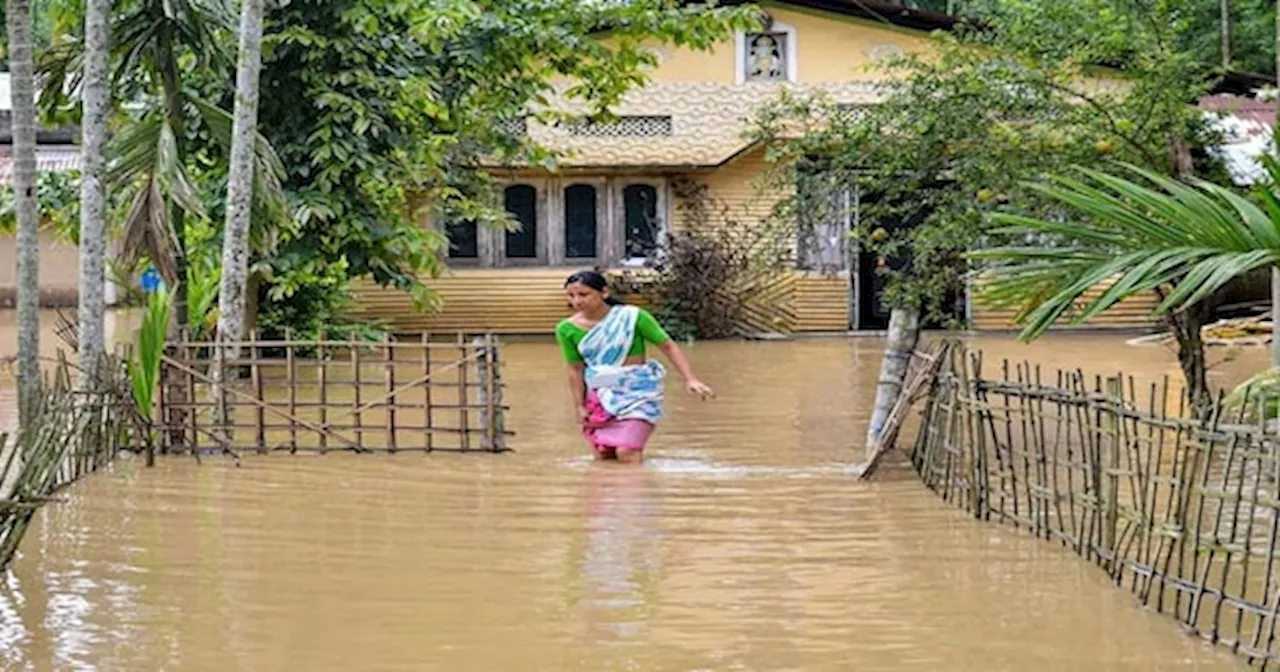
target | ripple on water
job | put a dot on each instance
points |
(742, 543)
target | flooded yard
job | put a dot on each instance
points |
(743, 543)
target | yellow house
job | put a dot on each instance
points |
(686, 126)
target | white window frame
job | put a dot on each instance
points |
(740, 51)
(619, 223)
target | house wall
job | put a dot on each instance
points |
(531, 300)
(829, 48)
(710, 111)
(59, 271)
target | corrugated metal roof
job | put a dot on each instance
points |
(1247, 125)
(49, 158)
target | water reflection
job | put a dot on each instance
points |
(742, 543)
(621, 562)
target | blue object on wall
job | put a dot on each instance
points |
(151, 280)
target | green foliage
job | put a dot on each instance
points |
(1192, 238)
(1261, 393)
(58, 200)
(378, 106)
(144, 368)
(959, 133)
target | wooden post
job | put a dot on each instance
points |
(256, 373)
(356, 382)
(191, 393)
(464, 397)
(484, 392)
(1109, 479)
(324, 395)
(292, 382)
(389, 374)
(499, 413)
(426, 392)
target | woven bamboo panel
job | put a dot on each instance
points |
(531, 301)
(1132, 313)
(821, 303)
(500, 301)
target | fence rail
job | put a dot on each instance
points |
(427, 393)
(1185, 513)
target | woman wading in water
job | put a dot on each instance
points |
(616, 389)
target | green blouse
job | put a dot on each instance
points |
(648, 330)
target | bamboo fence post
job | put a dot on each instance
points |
(427, 434)
(389, 375)
(464, 396)
(1108, 465)
(498, 398)
(1204, 468)
(356, 383)
(255, 352)
(323, 391)
(484, 391)
(291, 380)
(193, 407)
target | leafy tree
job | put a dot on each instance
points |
(958, 131)
(380, 106)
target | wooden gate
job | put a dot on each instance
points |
(429, 393)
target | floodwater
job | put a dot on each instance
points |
(743, 543)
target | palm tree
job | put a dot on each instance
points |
(152, 39)
(235, 246)
(95, 101)
(18, 20)
(1184, 240)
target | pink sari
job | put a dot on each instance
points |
(604, 431)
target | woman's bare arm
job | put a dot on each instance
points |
(676, 356)
(691, 382)
(578, 388)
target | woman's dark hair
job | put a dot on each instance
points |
(594, 280)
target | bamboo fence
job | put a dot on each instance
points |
(430, 393)
(1183, 512)
(72, 433)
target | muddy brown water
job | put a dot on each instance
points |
(743, 543)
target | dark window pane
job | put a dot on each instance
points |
(579, 221)
(640, 202)
(521, 200)
(463, 241)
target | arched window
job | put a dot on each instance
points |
(521, 200)
(580, 225)
(640, 217)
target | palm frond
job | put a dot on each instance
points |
(1132, 236)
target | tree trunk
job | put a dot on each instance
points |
(1275, 271)
(1275, 317)
(1224, 22)
(235, 242)
(904, 332)
(22, 83)
(95, 98)
(1186, 325)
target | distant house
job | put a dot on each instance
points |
(687, 123)
(56, 151)
(1248, 127)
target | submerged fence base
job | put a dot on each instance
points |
(70, 433)
(429, 393)
(1182, 512)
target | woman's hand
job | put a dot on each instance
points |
(699, 389)
(582, 414)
